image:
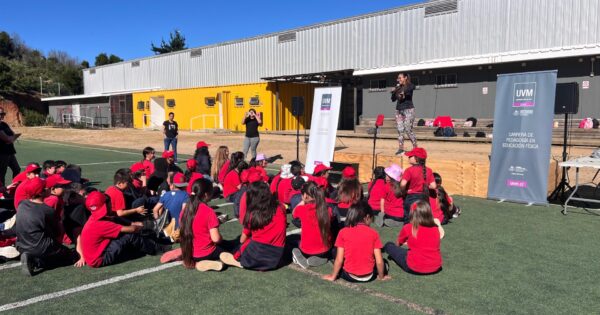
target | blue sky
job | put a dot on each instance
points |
(126, 28)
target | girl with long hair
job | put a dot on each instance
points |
(219, 168)
(263, 236)
(358, 257)
(349, 192)
(200, 230)
(232, 182)
(417, 180)
(315, 218)
(376, 189)
(392, 207)
(202, 157)
(445, 202)
(405, 110)
(423, 237)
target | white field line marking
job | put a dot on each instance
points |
(97, 163)
(295, 231)
(8, 266)
(81, 147)
(224, 204)
(50, 296)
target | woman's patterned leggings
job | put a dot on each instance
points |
(404, 122)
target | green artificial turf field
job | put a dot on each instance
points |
(498, 258)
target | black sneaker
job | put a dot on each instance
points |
(400, 151)
(28, 265)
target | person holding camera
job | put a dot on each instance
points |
(252, 122)
(405, 110)
(7, 148)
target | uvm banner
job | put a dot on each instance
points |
(522, 137)
(323, 127)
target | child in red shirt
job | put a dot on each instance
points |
(263, 237)
(148, 153)
(117, 199)
(348, 192)
(445, 202)
(31, 171)
(358, 257)
(422, 236)
(315, 219)
(219, 168)
(200, 230)
(392, 208)
(376, 190)
(232, 182)
(56, 186)
(417, 180)
(105, 242)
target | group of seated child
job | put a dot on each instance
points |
(53, 217)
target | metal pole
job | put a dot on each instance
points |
(297, 138)
(58, 88)
(41, 91)
(374, 141)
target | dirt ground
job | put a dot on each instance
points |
(269, 144)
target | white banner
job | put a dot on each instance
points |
(323, 128)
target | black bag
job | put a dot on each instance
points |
(466, 134)
(439, 132)
(421, 122)
(490, 125)
(449, 132)
(480, 134)
(473, 120)
(595, 123)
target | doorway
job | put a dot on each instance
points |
(157, 111)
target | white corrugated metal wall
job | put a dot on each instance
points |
(390, 38)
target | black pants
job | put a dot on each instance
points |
(398, 255)
(128, 246)
(346, 276)
(6, 161)
(408, 201)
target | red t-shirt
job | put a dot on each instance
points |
(424, 250)
(57, 204)
(117, 200)
(243, 207)
(310, 239)
(284, 190)
(414, 176)
(20, 193)
(223, 172)
(21, 177)
(204, 221)
(95, 237)
(393, 206)
(358, 243)
(231, 183)
(273, 233)
(263, 173)
(436, 209)
(148, 167)
(377, 193)
(195, 176)
(443, 121)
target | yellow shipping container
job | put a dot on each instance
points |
(224, 106)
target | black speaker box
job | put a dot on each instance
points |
(567, 98)
(297, 106)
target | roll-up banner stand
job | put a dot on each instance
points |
(522, 137)
(323, 127)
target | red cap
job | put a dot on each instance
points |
(191, 164)
(179, 180)
(320, 181)
(349, 173)
(31, 168)
(96, 203)
(34, 187)
(55, 180)
(201, 144)
(168, 154)
(320, 168)
(417, 152)
(136, 167)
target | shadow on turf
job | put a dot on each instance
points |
(587, 192)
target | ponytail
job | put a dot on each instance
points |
(312, 190)
(201, 192)
(425, 185)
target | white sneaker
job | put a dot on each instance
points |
(299, 259)
(10, 222)
(10, 252)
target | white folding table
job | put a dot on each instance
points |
(577, 164)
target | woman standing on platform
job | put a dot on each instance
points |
(405, 110)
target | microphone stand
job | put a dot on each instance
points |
(374, 142)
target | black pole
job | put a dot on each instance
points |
(297, 138)
(374, 141)
(563, 185)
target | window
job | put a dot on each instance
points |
(135, 63)
(288, 37)
(442, 7)
(92, 71)
(170, 102)
(377, 85)
(446, 81)
(147, 105)
(210, 101)
(196, 53)
(239, 102)
(141, 105)
(255, 101)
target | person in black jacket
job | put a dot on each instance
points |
(405, 110)
(7, 149)
(202, 157)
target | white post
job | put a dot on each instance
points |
(221, 112)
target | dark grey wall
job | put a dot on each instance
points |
(467, 99)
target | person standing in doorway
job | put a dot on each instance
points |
(171, 130)
(7, 149)
(252, 122)
(405, 110)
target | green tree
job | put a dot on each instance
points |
(85, 64)
(6, 77)
(114, 59)
(176, 43)
(7, 47)
(101, 59)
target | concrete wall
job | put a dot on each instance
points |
(467, 98)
